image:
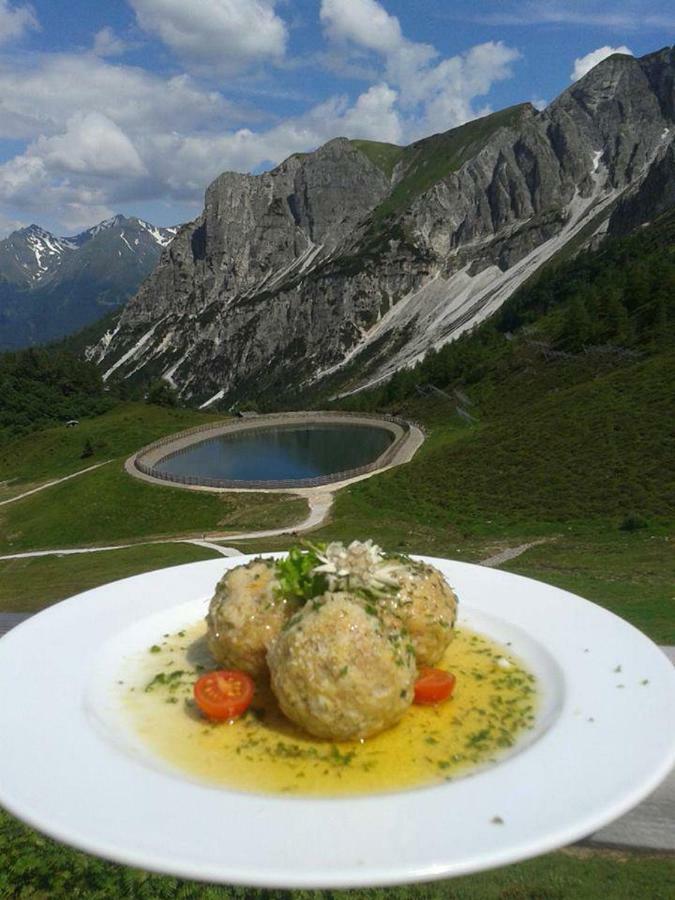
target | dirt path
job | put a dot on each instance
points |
(49, 484)
(319, 507)
(510, 553)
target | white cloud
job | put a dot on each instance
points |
(188, 163)
(26, 184)
(225, 35)
(15, 21)
(619, 17)
(8, 225)
(584, 64)
(21, 177)
(96, 132)
(374, 117)
(101, 134)
(363, 22)
(91, 145)
(107, 43)
(434, 94)
(141, 137)
(38, 99)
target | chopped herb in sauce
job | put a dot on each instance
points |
(262, 751)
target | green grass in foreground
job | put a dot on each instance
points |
(37, 868)
(28, 585)
(108, 505)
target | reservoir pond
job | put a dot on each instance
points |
(279, 454)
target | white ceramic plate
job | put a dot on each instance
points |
(604, 739)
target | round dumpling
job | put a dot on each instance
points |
(427, 605)
(342, 668)
(416, 592)
(246, 613)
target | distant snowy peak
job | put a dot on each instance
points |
(43, 251)
(161, 236)
(34, 257)
(103, 226)
(52, 286)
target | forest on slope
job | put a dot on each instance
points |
(561, 406)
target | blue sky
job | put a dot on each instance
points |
(133, 106)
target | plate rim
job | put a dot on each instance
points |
(357, 876)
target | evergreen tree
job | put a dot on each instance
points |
(160, 393)
(577, 328)
(618, 321)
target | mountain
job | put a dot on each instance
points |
(347, 264)
(51, 286)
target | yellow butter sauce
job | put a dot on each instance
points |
(494, 703)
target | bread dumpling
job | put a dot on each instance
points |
(427, 606)
(343, 668)
(246, 613)
(415, 591)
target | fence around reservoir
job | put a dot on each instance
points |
(399, 427)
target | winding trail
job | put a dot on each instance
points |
(510, 553)
(319, 502)
(49, 484)
(319, 499)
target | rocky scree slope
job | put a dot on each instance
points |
(343, 265)
(51, 286)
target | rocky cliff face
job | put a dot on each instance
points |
(348, 263)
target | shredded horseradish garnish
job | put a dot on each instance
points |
(360, 565)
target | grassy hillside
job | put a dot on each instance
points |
(29, 585)
(425, 162)
(107, 505)
(550, 449)
(37, 868)
(55, 451)
(39, 387)
(384, 156)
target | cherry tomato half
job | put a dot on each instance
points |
(224, 694)
(433, 686)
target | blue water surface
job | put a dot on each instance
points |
(279, 454)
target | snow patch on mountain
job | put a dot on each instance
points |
(133, 351)
(162, 236)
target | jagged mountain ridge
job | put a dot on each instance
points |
(51, 286)
(352, 261)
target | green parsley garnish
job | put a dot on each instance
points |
(296, 575)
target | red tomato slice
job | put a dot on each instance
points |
(433, 686)
(224, 694)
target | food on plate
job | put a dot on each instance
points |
(343, 668)
(224, 694)
(433, 686)
(246, 613)
(488, 715)
(428, 607)
(340, 629)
